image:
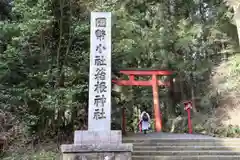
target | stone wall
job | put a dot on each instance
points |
(98, 156)
(97, 152)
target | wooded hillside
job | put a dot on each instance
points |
(44, 64)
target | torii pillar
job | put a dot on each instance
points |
(154, 82)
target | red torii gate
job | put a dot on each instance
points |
(154, 82)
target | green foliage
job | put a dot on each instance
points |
(40, 155)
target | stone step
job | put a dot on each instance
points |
(189, 148)
(223, 157)
(186, 153)
(170, 140)
(185, 144)
(185, 148)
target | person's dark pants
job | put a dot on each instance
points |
(145, 131)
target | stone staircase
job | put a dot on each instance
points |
(184, 148)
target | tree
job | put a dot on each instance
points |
(44, 58)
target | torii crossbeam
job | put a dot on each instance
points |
(154, 82)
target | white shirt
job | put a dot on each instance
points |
(145, 124)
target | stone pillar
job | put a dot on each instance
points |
(237, 20)
(99, 142)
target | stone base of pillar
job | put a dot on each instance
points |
(97, 145)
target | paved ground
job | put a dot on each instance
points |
(163, 135)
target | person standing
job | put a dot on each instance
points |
(145, 122)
